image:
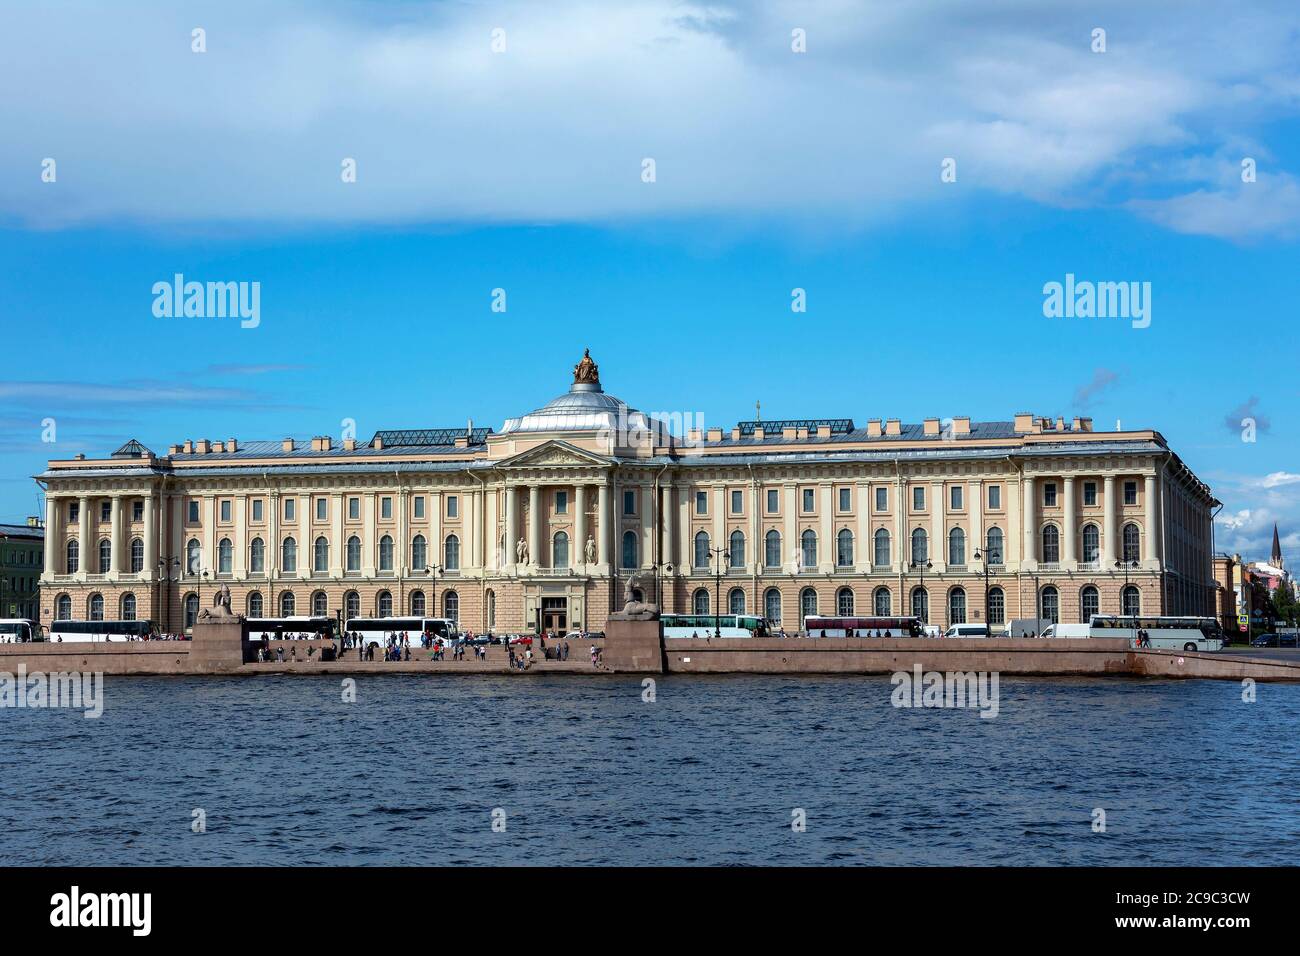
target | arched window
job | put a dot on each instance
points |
(881, 602)
(384, 604)
(137, 555)
(257, 556)
(95, 607)
(193, 556)
(772, 605)
(844, 602)
(921, 604)
(997, 611)
(700, 601)
(1132, 601)
(451, 606)
(957, 606)
(225, 556)
(737, 549)
(920, 547)
(629, 549)
(736, 601)
(702, 549)
(255, 604)
(844, 549)
(105, 556)
(354, 553)
(1050, 600)
(1089, 603)
(287, 604)
(1131, 543)
(772, 549)
(289, 556)
(881, 558)
(320, 605)
(994, 553)
(957, 547)
(451, 553)
(808, 546)
(1051, 544)
(63, 608)
(419, 553)
(491, 609)
(128, 607)
(1091, 543)
(74, 557)
(351, 605)
(191, 610)
(807, 605)
(560, 550)
(386, 553)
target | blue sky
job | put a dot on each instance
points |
(521, 170)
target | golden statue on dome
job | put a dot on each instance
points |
(586, 371)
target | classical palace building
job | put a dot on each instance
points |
(544, 523)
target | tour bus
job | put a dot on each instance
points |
(83, 631)
(817, 626)
(18, 630)
(293, 628)
(1172, 633)
(707, 625)
(377, 630)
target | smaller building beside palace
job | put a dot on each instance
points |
(543, 523)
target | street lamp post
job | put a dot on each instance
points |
(1125, 565)
(921, 566)
(717, 554)
(989, 556)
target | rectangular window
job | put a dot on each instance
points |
(354, 508)
(773, 501)
(137, 511)
(561, 502)
(846, 499)
(322, 509)
(737, 502)
(290, 508)
(918, 498)
(701, 502)
(808, 501)
(995, 496)
(105, 511)
(386, 507)
(954, 498)
(74, 511)
(257, 509)
(1089, 493)
(194, 512)
(225, 511)
(1130, 492)
(629, 502)
(882, 499)
(453, 506)
(1049, 495)
(418, 506)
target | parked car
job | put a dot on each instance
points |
(1266, 640)
(522, 640)
(967, 630)
(1286, 640)
(479, 640)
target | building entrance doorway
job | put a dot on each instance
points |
(555, 614)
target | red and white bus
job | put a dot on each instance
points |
(815, 626)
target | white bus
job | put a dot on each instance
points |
(93, 631)
(707, 625)
(377, 630)
(293, 628)
(18, 630)
(1171, 633)
(815, 625)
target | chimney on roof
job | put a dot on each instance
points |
(893, 426)
(201, 448)
(823, 431)
(760, 433)
(189, 447)
(1060, 423)
(349, 444)
(873, 428)
(735, 433)
(286, 445)
(378, 442)
(173, 449)
(1024, 423)
(232, 445)
(715, 434)
(789, 432)
(961, 425)
(469, 428)
(218, 446)
(932, 426)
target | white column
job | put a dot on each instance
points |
(649, 512)
(535, 525)
(209, 538)
(671, 519)
(239, 560)
(1029, 556)
(116, 535)
(338, 543)
(1069, 554)
(177, 531)
(902, 550)
(975, 507)
(790, 543)
(685, 540)
(826, 556)
(863, 543)
(368, 531)
(718, 536)
(578, 554)
(83, 534)
(938, 540)
(1109, 534)
(512, 524)
(436, 551)
(272, 544)
(306, 543)
(53, 540)
(606, 522)
(1151, 539)
(492, 528)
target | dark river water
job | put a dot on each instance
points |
(584, 772)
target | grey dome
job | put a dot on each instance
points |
(584, 407)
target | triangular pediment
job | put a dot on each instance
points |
(554, 454)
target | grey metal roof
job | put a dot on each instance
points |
(21, 531)
(584, 407)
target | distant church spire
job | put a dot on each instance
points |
(1277, 559)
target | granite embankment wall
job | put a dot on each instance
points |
(135, 657)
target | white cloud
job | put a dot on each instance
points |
(555, 129)
(1279, 478)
